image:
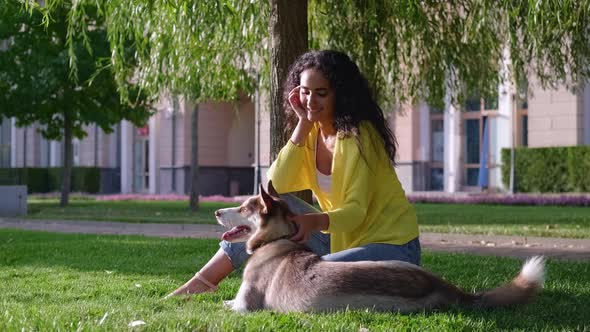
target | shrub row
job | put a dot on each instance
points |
(44, 180)
(554, 169)
(504, 199)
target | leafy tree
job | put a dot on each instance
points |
(409, 49)
(37, 85)
(205, 50)
(423, 49)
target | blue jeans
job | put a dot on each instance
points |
(319, 243)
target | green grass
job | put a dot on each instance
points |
(553, 221)
(70, 282)
(170, 212)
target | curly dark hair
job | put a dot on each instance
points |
(354, 100)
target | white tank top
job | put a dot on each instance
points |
(324, 181)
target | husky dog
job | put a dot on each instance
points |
(285, 276)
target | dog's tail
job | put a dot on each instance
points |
(521, 290)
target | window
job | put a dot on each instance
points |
(523, 95)
(435, 110)
(76, 151)
(490, 104)
(146, 165)
(437, 143)
(5, 133)
(476, 102)
(141, 165)
(437, 152)
(45, 151)
(437, 179)
(472, 141)
(472, 176)
(524, 130)
(473, 104)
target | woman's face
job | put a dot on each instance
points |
(317, 96)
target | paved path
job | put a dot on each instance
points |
(511, 246)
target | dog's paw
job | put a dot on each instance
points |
(229, 304)
(234, 305)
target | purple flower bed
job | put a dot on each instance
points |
(166, 197)
(430, 197)
(496, 199)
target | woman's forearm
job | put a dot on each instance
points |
(323, 221)
(301, 131)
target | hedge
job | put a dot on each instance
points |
(44, 180)
(554, 169)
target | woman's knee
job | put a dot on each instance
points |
(236, 252)
(409, 252)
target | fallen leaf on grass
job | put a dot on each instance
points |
(103, 318)
(136, 323)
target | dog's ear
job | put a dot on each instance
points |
(271, 190)
(267, 201)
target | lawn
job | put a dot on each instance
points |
(555, 221)
(552, 221)
(170, 212)
(86, 282)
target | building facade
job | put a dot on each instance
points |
(459, 148)
(454, 149)
(154, 158)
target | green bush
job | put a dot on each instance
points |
(54, 178)
(35, 179)
(579, 169)
(86, 179)
(555, 169)
(43, 180)
(10, 176)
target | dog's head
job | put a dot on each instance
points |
(260, 219)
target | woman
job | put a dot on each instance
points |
(342, 149)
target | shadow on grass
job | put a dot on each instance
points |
(124, 254)
(552, 310)
(458, 215)
(561, 306)
(127, 211)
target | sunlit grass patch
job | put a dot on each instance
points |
(86, 282)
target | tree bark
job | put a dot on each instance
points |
(513, 113)
(194, 194)
(68, 160)
(288, 40)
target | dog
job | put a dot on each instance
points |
(285, 276)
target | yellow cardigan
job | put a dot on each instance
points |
(367, 203)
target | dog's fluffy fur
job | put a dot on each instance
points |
(286, 276)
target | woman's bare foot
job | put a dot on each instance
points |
(206, 280)
(196, 285)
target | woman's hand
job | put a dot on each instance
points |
(295, 101)
(304, 125)
(309, 223)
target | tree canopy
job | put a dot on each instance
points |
(409, 50)
(61, 80)
(422, 49)
(36, 81)
(207, 50)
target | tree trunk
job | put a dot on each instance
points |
(514, 114)
(288, 40)
(68, 160)
(194, 195)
